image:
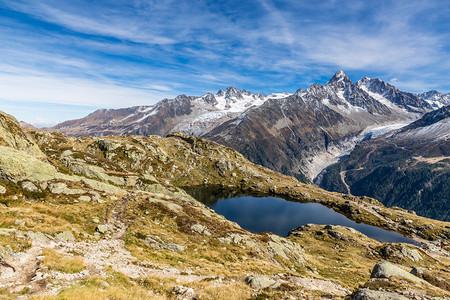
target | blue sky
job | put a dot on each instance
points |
(63, 59)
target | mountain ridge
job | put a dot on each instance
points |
(356, 107)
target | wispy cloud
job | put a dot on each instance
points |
(105, 25)
(35, 86)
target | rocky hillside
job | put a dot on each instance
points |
(296, 134)
(109, 218)
(409, 168)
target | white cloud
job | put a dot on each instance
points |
(159, 87)
(393, 80)
(41, 87)
(110, 26)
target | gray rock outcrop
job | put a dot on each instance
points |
(386, 270)
(366, 294)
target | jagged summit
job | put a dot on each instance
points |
(340, 78)
(436, 99)
(230, 92)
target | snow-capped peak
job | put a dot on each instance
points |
(339, 77)
(435, 99)
(230, 92)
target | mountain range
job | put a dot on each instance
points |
(297, 134)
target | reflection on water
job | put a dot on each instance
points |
(269, 214)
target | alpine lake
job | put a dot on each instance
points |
(279, 216)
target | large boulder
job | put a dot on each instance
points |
(386, 270)
(65, 236)
(201, 229)
(19, 166)
(262, 282)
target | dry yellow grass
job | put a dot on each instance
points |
(66, 264)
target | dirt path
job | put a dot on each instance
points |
(113, 217)
(20, 269)
(343, 173)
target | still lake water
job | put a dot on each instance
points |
(269, 214)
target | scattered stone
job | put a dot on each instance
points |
(318, 285)
(305, 195)
(106, 145)
(65, 236)
(7, 231)
(29, 186)
(84, 198)
(234, 238)
(366, 294)
(162, 158)
(386, 270)
(2, 189)
(6, 271)
(95, 220)
(154, 188)
(149, 170)
(101, 229)
(206, 211)
(43, 185)
(38, 237)
(201, 229)
(183, 292)
(61, 188)
(335, 234)
(262, 282)
(172, 206)
(416, 271)
(19, 222)
(352, 230)
(398, 250)
(285, 248)
(157, 243)
(222, 166)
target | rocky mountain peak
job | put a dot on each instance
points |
(435, 99)
(316, 90)
(340, 78)
(375, 85)
(209, 98)
(230, 92)
(431, 95)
